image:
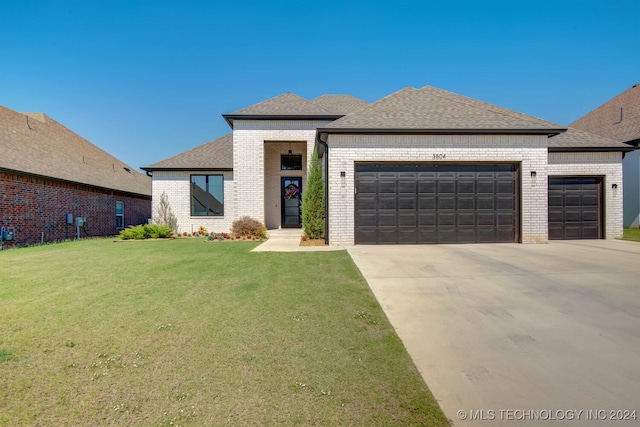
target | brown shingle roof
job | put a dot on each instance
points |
(216, 154)
(340, 104)
(575, 139)
(432, 109)
(34, 143)
(287, 104)
(617, 119)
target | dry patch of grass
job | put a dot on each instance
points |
(179, 332)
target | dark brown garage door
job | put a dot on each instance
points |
(436, 203)
(575, 208)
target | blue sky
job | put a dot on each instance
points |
(147, 79)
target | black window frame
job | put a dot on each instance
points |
(208, 210)
(291, 157)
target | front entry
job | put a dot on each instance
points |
(291, 201)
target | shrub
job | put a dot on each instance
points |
(164, 215)
(248, 227)
(313, 204)
(146, 231)
(202, 231)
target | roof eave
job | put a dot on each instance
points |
(231, 117)
(378, 131)
(118, 190)
(589, 149)
(175, 169)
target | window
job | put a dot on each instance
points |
(207, 195)
(119, 214)
(291, 162)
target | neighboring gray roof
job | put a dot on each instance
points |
(216, 154)
(340, 104)
(35, 144)
(617, 119)
(576, 140)
(432, 109)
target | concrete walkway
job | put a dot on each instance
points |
(288, 240)
(508, 334)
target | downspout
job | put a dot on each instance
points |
(323, 153)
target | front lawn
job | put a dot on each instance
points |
(632, 234)
(184, 332)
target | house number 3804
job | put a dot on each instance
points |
(437, 156)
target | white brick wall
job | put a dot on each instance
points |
(249, 137)
(529, 151)
(608, 165)
(176, 185)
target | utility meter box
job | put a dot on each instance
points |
(68, 218)
(7, 233)
(80, 220)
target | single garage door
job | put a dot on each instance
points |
(575, 208)
(436, 203)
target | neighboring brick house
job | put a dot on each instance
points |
(619, 119)
(48, 174)
(418, 166)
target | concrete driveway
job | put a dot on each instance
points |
(508, 334)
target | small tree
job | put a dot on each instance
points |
(164, 215)
(313, 201)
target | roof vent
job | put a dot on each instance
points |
(127, 169)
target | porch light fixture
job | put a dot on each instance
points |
(533, 174)
(614, 186)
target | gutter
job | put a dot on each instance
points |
(323, 153)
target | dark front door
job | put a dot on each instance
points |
(291, 201)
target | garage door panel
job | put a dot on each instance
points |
(466, 203)
(447, 235)
(407, 236)
(505, 219)
(486, 219)
(426, 187)
(407, 202)
(407, 187)
(466, 187)
(387, 187)
(485, 203)
(407, 219)
(426, 203)
(466, 235)
(387, 203)
(505, 203)
(385, 219)
(486, 187)
(437, 203)
(446, 202)
(466, 219)
(426, 219)
(575, 208)
(446, 218)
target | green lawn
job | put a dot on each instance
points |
(184, 332)
(632, 234)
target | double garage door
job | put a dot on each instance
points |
(436, 203)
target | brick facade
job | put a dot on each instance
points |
(37, 206)
(530, 152)
(607, 165)
(177, 187)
